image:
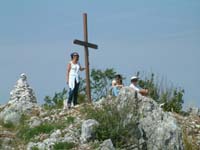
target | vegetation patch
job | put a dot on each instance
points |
(35, 148)
(64, 145)
(166, 94)
(8, 125)
(114, 124)
(56, 101)
(188, 145)
(26, 133)
(70, 120)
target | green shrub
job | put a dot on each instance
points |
(64, 146)
(8, 125)
(95, 145)
(171, 97)
(11, 126)
(26, 133)
(70, 120)
(56, 101)
(101, 82)
(187, 142)
(35, 148)
(113, 123)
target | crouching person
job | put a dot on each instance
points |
(134, 85)
(117, 84)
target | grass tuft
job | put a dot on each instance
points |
(64, 145)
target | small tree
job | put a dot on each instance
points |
(149, 83)
(171, 97)
(115, 124)
(175, 102)
(56, 101)
(101, 82)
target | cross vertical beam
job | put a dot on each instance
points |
(87, 65)
(86, 45)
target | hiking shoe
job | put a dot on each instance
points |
(69, 106)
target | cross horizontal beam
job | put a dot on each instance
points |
(86, 44)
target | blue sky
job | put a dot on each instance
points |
(133, 35)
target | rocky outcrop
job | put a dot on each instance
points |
(154, 128)
(190, 125)
(69, 133)
(107, 145)
(34, 122)
(22, 101)
(158, 129)
(87, 130)
(6, 140)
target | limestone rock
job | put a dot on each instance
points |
(87, 130)
(107, 145)
(13, 118)
(160, 129)
(34, 122)
(56, 134)
(6, 140)
(68, 139)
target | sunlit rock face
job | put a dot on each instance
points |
(22, 101)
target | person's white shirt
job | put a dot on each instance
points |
(74, 74)
(134, 87)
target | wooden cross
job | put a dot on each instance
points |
(86, 45)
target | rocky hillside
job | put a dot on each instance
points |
(128, 122)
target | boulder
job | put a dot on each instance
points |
(56, 134)
(68, 139)
(107, 145)
(87, 130)
(34, 122)
(159, 129)
(12, 117)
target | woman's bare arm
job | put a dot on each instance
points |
(68, 70)
(81, 68)
(144, 92)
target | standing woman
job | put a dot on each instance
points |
(73, 69)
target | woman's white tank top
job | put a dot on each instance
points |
(73, 74)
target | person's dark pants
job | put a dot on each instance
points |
(73, 95)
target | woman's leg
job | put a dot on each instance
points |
(76, 93)
(71, 95)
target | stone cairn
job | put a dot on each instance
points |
(22, 91)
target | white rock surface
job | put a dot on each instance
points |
(34, 122)
(159, 129)
(12, 117)
(22, 101)
(107, 145)
(56, 134)
(22, 91)
(87, 130)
